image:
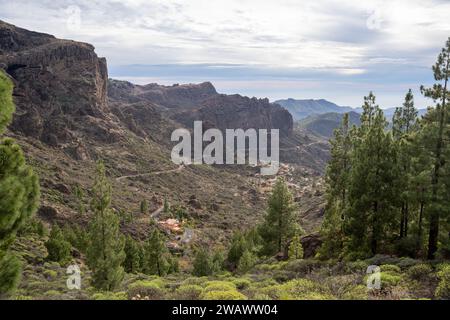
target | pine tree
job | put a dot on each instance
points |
(203, 263)
(237, 248)
(166, 206)
(132, 263)
(144, 206)
(247, 261)
(404, 123)
(437, 122)
(295, 248)
(372, 187)
(156, 255)
(337, 181)
(338, 170)
(19, 191)
(280, 222)
(105, 253)
(218, 261)
(58, 247)
(79, 194)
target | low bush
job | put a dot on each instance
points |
(195, 281)
(223, 295)
(299, 289)
(189, 292)
(242, 283)
(390, 268)
(419, 272)
(358, 292)
(146, 289)
(110, 296)
(303, 267)
(443, 288)
(389, 280)
(219, 286)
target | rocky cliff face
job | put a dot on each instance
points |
(235, 111)
(172, 97)
(187, 103)
(57, 83)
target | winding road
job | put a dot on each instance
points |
(154, 173)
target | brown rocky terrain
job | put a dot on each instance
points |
(69, 115)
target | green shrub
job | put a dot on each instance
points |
(189, 292)
(443, 288)
(358, 266)
(242, 283)
(50, 274)
(419, 272)
(389, 280)
(260, 296)
(219, 286)
(317, 296)
(358, 292)
(22, 297)
(299, 289)
(223, 295)
(57, 246)
(407, 262)
(381, 259)
(200, 281)
(247, 261)
(146, 289)
(203, 264)
(390, 268)
(303, 267)
(110, 296)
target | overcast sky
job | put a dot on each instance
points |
(337, 50)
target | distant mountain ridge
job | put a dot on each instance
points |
(325, 124)
(301, 109)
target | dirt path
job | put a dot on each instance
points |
(154, 173)
(301, 146)
(157, 212)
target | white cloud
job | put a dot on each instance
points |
(341, 37)
(286, 33)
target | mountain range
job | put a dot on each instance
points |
(301, 109)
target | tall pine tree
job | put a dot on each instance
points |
(404, 123)
(280, 222)
(337, 181)
(105, 253)
(156, 256)
(19, 191)
(438, 129)
(372, 187)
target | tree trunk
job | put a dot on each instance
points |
(402, 221)
(406, 220)
(434, 217)
(374, 241)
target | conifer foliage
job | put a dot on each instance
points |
(19, 191)
(105, 253)
(384, 186)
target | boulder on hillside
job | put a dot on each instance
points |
(311, 243)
